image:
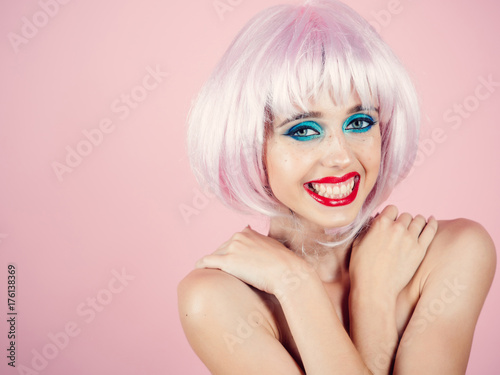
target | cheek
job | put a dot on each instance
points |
(368, 153)
(277, 162)
(285, 166)
(374, 158)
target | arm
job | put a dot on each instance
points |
(438, 338)
(373, 329)
(324, 345)
(231, 327)
(383, 261)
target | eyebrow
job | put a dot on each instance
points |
(360, 108)
(299, 116)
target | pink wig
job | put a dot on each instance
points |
(284, 57)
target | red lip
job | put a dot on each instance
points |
(335, 180)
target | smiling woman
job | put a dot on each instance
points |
(310, 119)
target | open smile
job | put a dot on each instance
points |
(334, 191)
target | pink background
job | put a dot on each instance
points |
(120, 208)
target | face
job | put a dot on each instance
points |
(323, 164)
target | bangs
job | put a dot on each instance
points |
(320, 53)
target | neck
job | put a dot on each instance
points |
(331, 263)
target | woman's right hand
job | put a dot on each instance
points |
(260, 261)
(385, 257)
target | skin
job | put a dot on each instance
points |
(404, 298)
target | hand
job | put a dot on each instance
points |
(385, 258)
(258, 260)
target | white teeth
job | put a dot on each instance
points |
(334, 191)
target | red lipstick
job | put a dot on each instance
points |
(331, 202)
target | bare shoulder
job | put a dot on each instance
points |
(218, 310)
(201, 292)
(465, 238)
(202, 287)
(231, 326)
(461, 246)
(463, 229)
(211, 292)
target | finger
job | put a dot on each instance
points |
(390, 212)
(222, 247)
(211, 261)
(251, 234)
(405, 218)
(248, 230)
(429, 232)
(240, 237)
(371, 219)
(417, 225)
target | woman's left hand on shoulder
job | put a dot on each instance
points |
(387, 255)
(258, 260)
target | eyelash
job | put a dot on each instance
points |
(307, 125)
(357, 117)
(310, 125)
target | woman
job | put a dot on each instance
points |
(310, 119)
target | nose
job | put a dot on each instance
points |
(336, 152)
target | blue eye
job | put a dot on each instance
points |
(305, 131)
(359, 123)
